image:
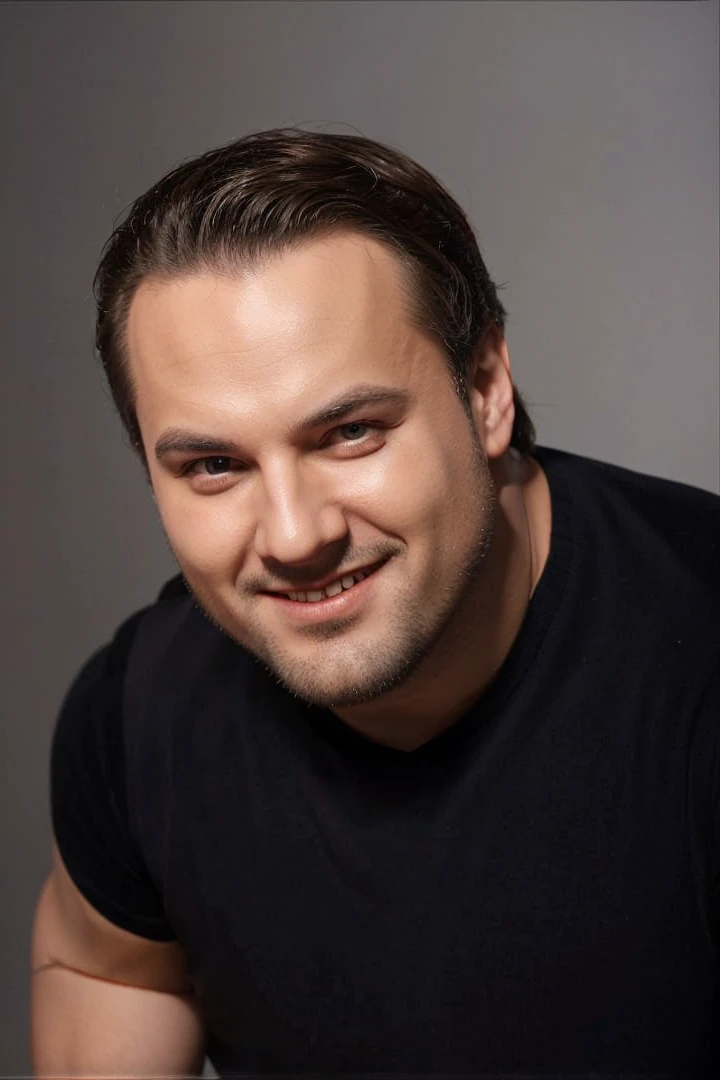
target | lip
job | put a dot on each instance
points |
(324, 582)
(344, 604)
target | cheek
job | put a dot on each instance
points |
(449, 500)
(205, 533)
(411, 483)
(431, 485)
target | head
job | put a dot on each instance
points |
(307, 353)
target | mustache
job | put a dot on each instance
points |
(293, 578)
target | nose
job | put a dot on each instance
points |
(298, 519)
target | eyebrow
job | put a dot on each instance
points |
(178, 440)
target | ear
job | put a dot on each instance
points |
(490, 393)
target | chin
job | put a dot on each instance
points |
(362, 675)
(339, 695)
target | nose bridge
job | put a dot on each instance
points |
(296, 516)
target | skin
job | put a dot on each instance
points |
(462, 522)
(104, 1001)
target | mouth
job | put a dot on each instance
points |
(335, 587)
(337, 597)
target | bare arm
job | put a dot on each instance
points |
(105, 1001)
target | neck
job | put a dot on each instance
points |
(470, 654)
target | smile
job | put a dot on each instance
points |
(338, 598)
(344, 583)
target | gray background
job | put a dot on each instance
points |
(581, 137)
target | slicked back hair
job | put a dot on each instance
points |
(267, 192)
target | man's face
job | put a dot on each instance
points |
(301, 434)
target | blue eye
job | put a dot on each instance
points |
(365, 434)
(352, 432)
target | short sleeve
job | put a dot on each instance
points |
(704, 788)
(88, 796)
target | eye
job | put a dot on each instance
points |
(355, 438)
(208, 466)
(353, 432)
(357, 431)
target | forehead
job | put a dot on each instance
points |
(332, 309)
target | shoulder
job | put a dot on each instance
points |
(161, 634)
(159, 660)
(165, 629)
(679, 518)
(92, 787)
(656, 541)
(176, 646)
(654, 493)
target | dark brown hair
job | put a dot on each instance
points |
(262, 194)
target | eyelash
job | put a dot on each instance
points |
(192, 468)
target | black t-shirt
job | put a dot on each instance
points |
(534, 891)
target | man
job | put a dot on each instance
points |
(414, 770)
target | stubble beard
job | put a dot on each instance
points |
(345, 673)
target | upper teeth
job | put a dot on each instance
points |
(333, 589)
